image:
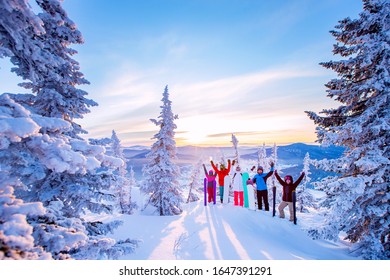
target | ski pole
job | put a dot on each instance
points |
(294, 198)
(273, 201)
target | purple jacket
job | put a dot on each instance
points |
(210, 178)
(288, 188)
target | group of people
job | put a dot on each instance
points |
(259, 179)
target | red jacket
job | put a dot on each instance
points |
(289, 188)
(221, 173)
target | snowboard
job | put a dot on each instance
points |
(273, 201)
(251, 195)
(245, 177)
(294, 199)
(226, 189)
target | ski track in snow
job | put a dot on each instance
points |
(223, 232)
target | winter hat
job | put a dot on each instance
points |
(260, 167)
(211, 172)
(288, 177)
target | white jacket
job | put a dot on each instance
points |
(237, 182)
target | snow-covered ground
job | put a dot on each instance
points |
(225, 232)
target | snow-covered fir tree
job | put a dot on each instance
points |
(262, 156)
(117, 148)
(195, 182)
(304, 198)
(223, 159)
(274, 158)
(132, 181)
(17, 15)
(16, 240)
(161, 173)
(43, 152)
(55, 90)
(358, 199)
(122, 186)
(25, 155)
(235, 147)
(52, 170)
(273, 182)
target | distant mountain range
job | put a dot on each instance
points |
(289, 156)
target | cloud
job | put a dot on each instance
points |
(252, 105)
(232, 94)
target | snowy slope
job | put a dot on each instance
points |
(224, 232)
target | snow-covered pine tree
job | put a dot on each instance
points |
(132, 180)
(122, 183)
(52, 169)
(116, 148)
(235, 146)
(274, 182)
(194, 182)
(223, 159)
(274, 157)
(16, 235)
(56, 91)
(53, 164)
(16, 240)
(304, 197)
(359, 198)
(25, 155)
(161, 173)
(19, 46)
(262, 157)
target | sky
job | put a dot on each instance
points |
(244, 67)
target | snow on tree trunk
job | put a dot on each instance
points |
(358, 199)
(161, 173)
(235, 146)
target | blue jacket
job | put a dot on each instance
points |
(261, 179)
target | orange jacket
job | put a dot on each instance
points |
(221, 173)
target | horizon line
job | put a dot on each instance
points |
(230, 146)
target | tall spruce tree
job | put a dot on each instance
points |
(161, 173)
(304, 198)
(195, 182)
(123, 186)
(358, 199)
